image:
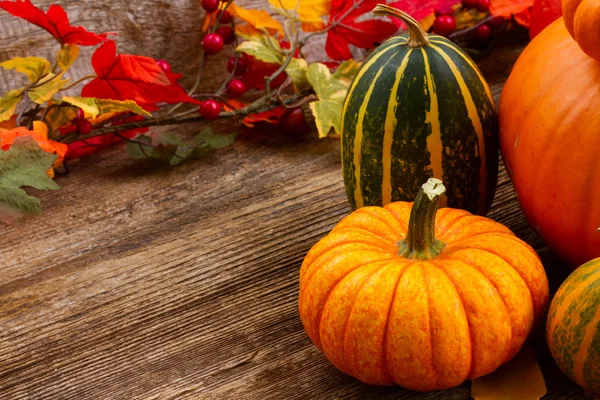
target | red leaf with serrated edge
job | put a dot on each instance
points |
(254, 78)
(270, 116)
(345, 30)
(520, 9)
(55, 21)
(129, 77)
(422, 9)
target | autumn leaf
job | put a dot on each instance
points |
(33, 67)
(271, 117)
(297, 69)
(24, 164)
(55, 21)
(331, 91)
(93, 107)
(39, 133)
(8, 103)
(520, 9)
(129, 77)
(519, 379)
(67, 56)
(420, 10)
(256, 21)
(543, 13)
(47, 87)
(308, 12)
(262, 47)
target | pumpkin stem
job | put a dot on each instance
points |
(417, 37)
(420, 242)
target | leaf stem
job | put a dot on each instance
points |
(77, 82)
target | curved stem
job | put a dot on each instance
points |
(420, 242)
(417, 35)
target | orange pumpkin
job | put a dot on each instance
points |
(402, 295)
(582, 19)
(550, 140)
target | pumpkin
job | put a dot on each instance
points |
(419, 107)
(582, 19)
(550, 140)
(573, 328)
(425, 299)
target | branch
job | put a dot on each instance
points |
(260, 105)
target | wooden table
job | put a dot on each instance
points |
(149, 282)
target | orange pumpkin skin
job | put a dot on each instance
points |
(550, 141)
(582, 19)
(421, 324)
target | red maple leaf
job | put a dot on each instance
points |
(543, 13)
(129, 77)
(55, 21)
(344, 29)
(424, 8)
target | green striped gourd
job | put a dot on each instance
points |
(573, 328)
(419, 108)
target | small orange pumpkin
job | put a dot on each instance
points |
(582, 19)
(402, 295)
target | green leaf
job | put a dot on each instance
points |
(347, 70)
(8, 104)
(215, 141)
(263, 48)
(297, 70)
(139, 151)
(47, 88)
(24, 164)
(331, 91)
(58, 116)
(94, 107)
(67, 55)
(33, 67)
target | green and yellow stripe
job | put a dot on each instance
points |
(411, 114)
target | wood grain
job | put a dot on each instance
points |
(148, 282)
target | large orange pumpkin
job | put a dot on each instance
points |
(400, 295)
(550, 140)
(582, 19)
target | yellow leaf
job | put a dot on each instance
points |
(520, 379)
(256, 19)
(33, 67)
(93, 107)
(347, 71)
(262, 47)
(8, 104)
(297, 70)
(58, 116)
(67, 55)
(331, 91)
(309, 12)
(47, 87)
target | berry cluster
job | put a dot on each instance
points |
(212, 44)
(82, 125)
(445, 23)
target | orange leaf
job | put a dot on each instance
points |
(519, 8)
(519, 379)
(40, 135)
(256, 20)
(270, 116)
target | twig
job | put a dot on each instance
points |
(77, 82)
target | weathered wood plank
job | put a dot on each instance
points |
(149, 282)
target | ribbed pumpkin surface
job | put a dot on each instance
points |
(416, 113)
(573, 329)
(422, 324)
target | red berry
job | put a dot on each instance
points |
(235, 88)
(225, 17)
(210, 109)
(210, 5)
(484, 33)
(226, 33)
(80, 114)
(444, 25)
(165, 66)
(292, 122)
(242, 65)
(483, 5)
(212, 43)
(469, 3)
(84, 126)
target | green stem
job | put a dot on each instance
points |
(420, 242)
(417, 37)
